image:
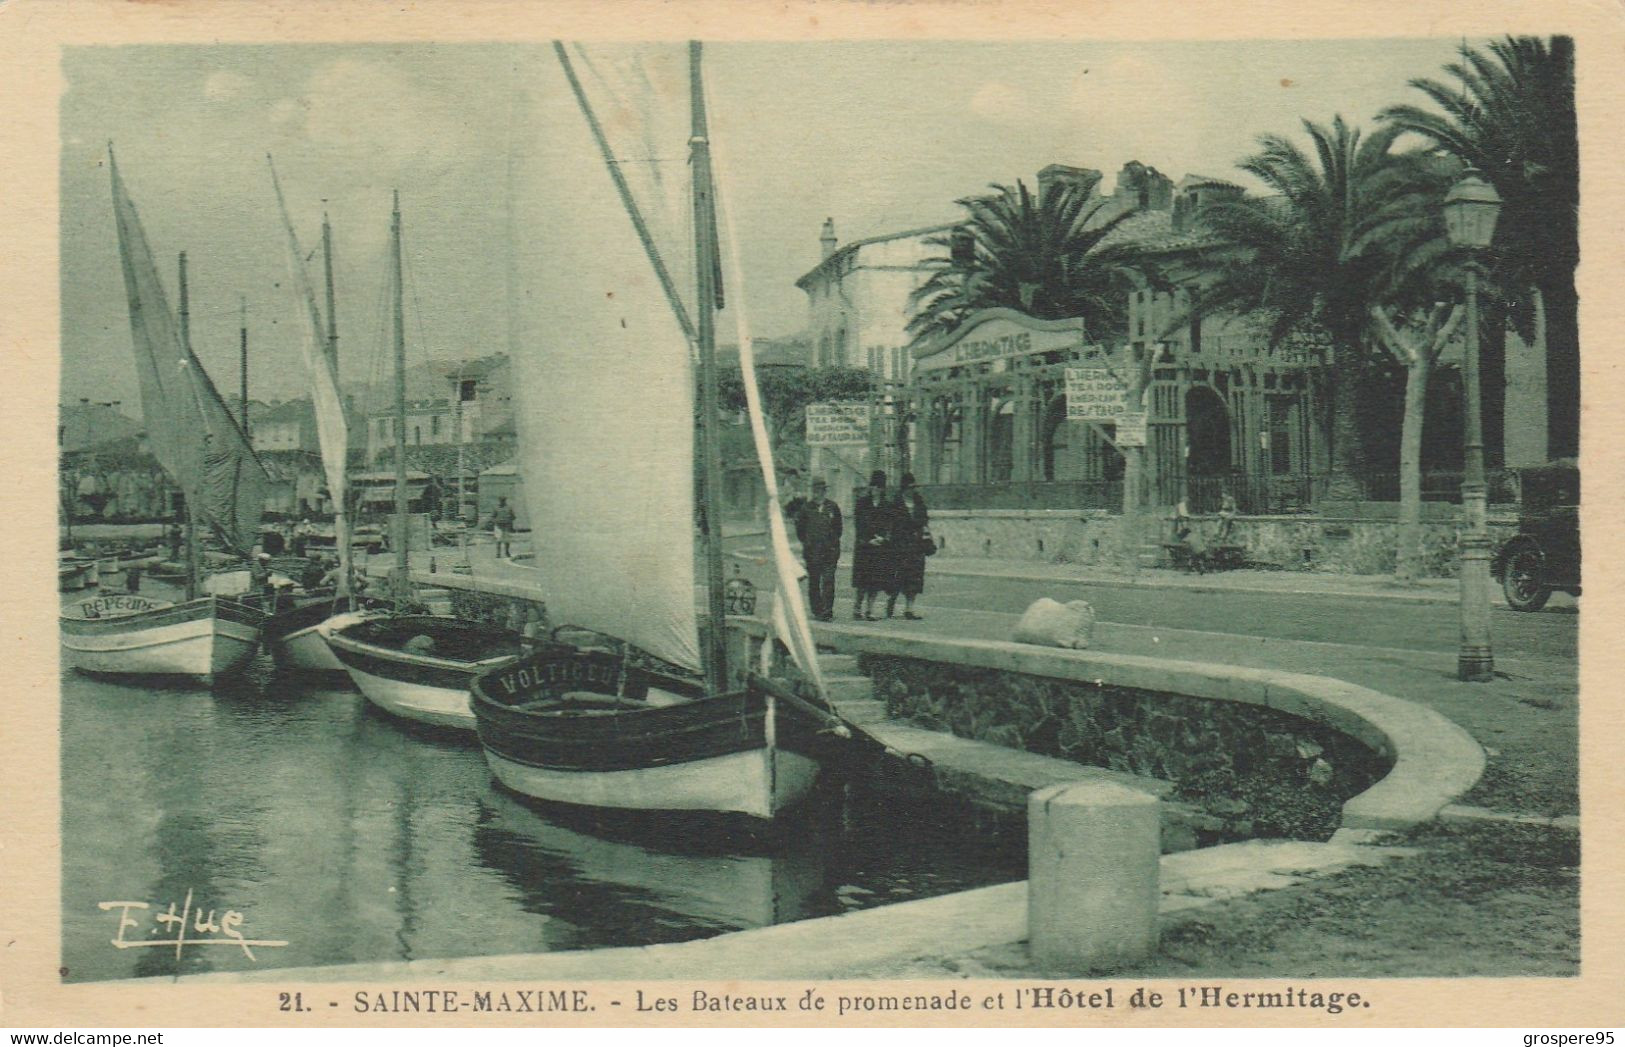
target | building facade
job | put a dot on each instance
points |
(475, 405)
(984, 415)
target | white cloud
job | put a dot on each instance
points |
(224, 85)
(370, 112)
(996, 100)
(287, 112)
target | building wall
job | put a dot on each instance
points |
(859, 307)
(1525, 439)
(278, 436)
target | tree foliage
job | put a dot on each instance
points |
(1348, 222)
(1041, 255)
(786, 392)
(1510, 112)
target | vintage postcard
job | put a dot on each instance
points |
(817, 514)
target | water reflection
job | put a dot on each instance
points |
(356, 839)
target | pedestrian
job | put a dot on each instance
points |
(871, 560)
(818, 526)
(911, 543)
(1188, 534)
(502, 522)
(1227, 517)
(259, 579)
(132, 578)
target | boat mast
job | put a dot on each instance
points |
(705, 266)
(242, 307)
(402, 580)
(341, 516)
(191, 502)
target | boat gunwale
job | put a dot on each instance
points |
(159, 617)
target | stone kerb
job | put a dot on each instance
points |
(1434, 760)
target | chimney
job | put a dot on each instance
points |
(827, 238)
(1083, 179)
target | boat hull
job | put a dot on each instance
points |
(296, 640)
(422, 688)
(548, 735)
(203, 639)
(758, 783)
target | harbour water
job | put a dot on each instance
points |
(329, 826)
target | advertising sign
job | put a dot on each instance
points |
(1094, 394)
(838, 425)
(1131, 429)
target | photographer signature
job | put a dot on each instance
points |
(169, 928)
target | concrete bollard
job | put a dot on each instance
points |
(1092, 892)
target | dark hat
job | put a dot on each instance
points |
(877, 478)
(907, 480)
(820, 484)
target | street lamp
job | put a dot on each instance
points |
(1470, 210)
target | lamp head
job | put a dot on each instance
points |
(1470, 210)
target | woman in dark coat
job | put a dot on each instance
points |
(911, 543)
(871, 557)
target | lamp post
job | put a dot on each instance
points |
(1470, 210)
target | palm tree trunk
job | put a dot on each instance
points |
(1562, 367)
(1408, 557)
(1492, 381)
(1343, 485)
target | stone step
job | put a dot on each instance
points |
(838, 664)
(861, 711)
(849, 687)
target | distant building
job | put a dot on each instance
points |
(289, 426)
(84, 425)
(477, 401)
(858, 298)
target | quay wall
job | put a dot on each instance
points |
(1206, 727)
(1359, 542)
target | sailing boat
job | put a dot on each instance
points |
(415, 666)
(199, 444)
(295, 636)
(605, 378)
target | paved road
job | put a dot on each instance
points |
(1348, 621)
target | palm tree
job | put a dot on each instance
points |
(1041, 255)
(1310, 258)
(1411, 319)
(1510, 113)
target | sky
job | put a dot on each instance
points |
(879, 136)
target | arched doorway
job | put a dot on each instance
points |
(1057, 441)
(1001, 442)
(1207, 439)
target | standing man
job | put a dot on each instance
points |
(502, 528)
(818, 526)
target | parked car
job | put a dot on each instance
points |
(1544, 556)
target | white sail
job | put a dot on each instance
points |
(603, 382)
(790, 620)
(332, 431)
(189, 429)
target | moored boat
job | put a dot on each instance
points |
(609, 469)
(576, 727)
(200, 445)
(418, 666)
(292, 634)
(73, 575)
(135, 635)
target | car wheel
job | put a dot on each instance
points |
(1522, 581)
